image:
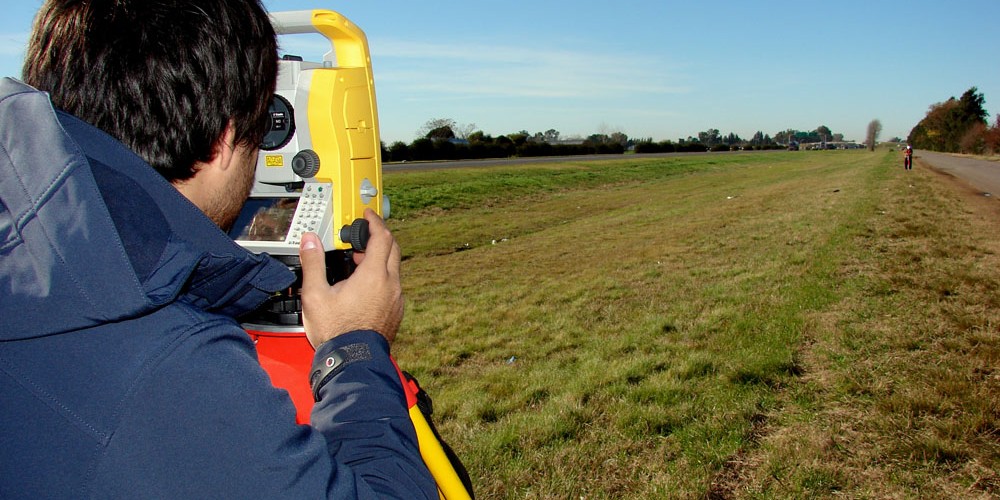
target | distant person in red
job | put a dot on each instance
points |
(908, 158)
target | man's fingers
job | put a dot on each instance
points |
(380, 240)
(389, 251)
(370, 299)
(395, 260)
(313, 260)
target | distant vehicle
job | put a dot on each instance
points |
(793, 146)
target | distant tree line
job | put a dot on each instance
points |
(480, 145)
(708, 140)
(820, 135)
(445, 139)
(957, 126)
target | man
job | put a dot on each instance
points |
(122, 369)
(908, 158)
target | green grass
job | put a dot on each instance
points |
(732, 325)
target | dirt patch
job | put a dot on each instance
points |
(985, 206)
(982, 204)
(729, 481)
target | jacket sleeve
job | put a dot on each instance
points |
(207, 423)
(363, 414)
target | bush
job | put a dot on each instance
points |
(655, 147)
(398, 151)
(535, 149)
(691, 147)
(422, 150)
(610, 149)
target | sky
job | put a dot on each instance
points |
(657, 69)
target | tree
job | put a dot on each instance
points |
(874, 129)
(992, 138)
(974, 139)
(441, 133)
(932, 132)
(824, 133)
(971, 107)
(479, 137)
(422, 149)
(399, 151)
(519, 138)
(947, 124)
(597, 139)
(464, 130)
(709, 137)
(437, 124)
(618, 138)
(785, 137)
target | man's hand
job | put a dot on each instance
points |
(371, 299)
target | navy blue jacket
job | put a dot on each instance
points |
(122, 370)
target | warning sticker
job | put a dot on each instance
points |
(274, 160)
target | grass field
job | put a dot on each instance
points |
(774, 325)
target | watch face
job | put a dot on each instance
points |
(280, 124)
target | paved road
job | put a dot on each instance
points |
(983, 175)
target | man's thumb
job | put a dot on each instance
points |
(313, 261)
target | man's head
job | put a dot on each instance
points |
(165, 77)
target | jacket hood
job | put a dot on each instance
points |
(90, 233)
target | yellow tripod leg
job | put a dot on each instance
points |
(449, 485)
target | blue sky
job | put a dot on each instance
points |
(660, 69)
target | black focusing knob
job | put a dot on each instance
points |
(305, 164)
(356, 234)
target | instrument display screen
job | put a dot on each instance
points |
(265, 219)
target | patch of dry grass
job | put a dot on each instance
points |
(900, 396)
(764, 325)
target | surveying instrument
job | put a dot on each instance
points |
(318, 169)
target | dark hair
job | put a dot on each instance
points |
(164, 77)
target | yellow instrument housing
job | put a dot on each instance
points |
(340, 119)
